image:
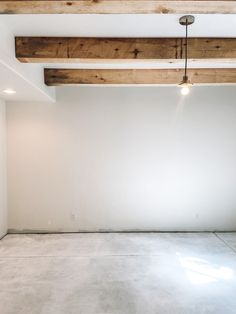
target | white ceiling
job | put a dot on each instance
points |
(29, 85)
(129, 25)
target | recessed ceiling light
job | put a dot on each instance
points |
(9, 91)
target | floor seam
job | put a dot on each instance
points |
(225, 242)
(81, 256)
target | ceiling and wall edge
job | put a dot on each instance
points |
(29, 78)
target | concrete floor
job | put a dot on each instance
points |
(119, 273)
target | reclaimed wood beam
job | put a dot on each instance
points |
(117, 7)
(103, 50)
(70, 77)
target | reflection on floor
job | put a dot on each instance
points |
(118, 273)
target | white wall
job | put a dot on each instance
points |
(137, 158)
(3, 178)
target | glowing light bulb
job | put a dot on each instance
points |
(185, 86)
(9, 91)
(185, 90)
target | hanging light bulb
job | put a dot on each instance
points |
(185, 90)
(186, 84)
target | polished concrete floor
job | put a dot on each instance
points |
(118, 273)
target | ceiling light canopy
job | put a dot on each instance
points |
(186, 84)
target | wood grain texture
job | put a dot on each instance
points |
(51, 49)
(65, 77)
(117, 7)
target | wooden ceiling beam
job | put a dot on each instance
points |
(103, 50)
(117, 7)
(67, 77)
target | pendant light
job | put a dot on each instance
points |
(186, 84)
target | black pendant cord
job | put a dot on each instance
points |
(186, 51)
